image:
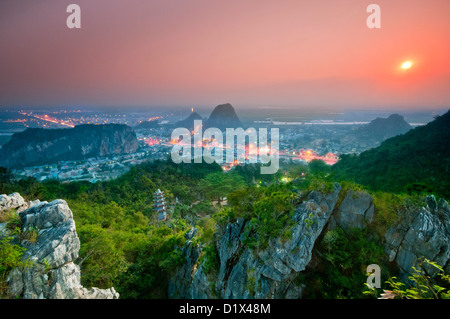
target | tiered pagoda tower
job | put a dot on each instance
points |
(159, 205)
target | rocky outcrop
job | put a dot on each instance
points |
(13, 201)
(273, 271)
(180, 283)
(421, 233)
(52, 272)
(355, 211)
(269, 273)
(45, 146)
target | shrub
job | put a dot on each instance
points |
(10, 258)
(30, 234)
(422, 285)
(12, 219)
(345, 256)
(209, 259)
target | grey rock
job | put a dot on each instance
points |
(421, 233)
(189, 235)
(229, 246)
(355, 211)
(52, 273)
(4, 231)
(270, 273)
(12, 201)
(201, 287)
(238, 284)
(180, 284)
(47, 215)
(273, 272)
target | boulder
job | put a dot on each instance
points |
(12, 201)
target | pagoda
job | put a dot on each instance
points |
(159, 205)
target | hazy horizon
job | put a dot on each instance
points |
(314, 56)
(423, 115)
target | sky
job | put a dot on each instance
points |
(312, 55)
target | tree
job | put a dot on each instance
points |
(318, 168)
(218, 185)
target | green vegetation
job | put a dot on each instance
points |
(318, 168)
(10, 258)
(30, 234)
(12, 220)
(217, 185)
(154, 260)
(122, 245)
(210, 260)
(10, 252)
(416, 162)
(421, 285)
(342, 267)
(269, 210)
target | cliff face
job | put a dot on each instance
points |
(43, 146)
(272, 272)
(53, 273)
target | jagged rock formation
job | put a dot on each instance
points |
(268, 273)
(422, 233)
(271, 272)
(36, 146)
(223, 116)
(52, 273)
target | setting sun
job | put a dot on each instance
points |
(406, 65)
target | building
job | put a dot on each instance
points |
(309, 155)
(159, 205)
(330, 158)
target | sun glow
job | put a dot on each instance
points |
(406, 65)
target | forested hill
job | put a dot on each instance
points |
(416, 161)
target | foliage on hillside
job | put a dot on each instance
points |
(418, 161)
(123, 246)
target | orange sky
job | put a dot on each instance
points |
(290, 53)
